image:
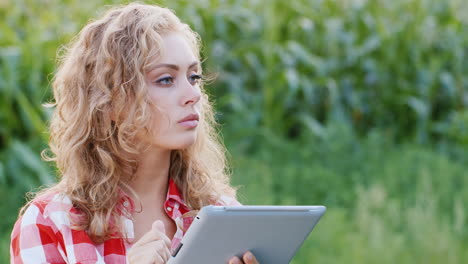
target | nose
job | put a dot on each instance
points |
(192, 94)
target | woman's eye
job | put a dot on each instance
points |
(195, 78)
(165, 80)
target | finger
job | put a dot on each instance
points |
(235, 260)
(154, 234)
(167, 241)
(159, 225)
(148, 237)
(157, 248)
(168, 253)
(249, 258)
(164, 251)
(159, 260)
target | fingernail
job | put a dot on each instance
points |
(155, 224)
(158, 224)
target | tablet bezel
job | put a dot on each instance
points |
(231, 221)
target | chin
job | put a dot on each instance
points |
(184, 142)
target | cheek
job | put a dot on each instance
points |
(161, 123)
(162, 117)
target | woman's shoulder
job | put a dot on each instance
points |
(51, 208)
(39, 233)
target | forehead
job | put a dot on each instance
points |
(175, 49)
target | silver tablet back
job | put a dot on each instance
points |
(272, 233)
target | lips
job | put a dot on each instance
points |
(190, 121)
(190, 117)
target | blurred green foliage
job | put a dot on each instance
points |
(360, 105)
(292, 66)
(386, 202)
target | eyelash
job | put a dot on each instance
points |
(196, 78)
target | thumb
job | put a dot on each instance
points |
(158, 225)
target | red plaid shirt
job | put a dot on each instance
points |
(43, 233)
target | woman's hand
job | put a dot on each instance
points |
(152, 248)
(247, 258)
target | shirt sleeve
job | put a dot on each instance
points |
(33, 239)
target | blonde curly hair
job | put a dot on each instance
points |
(101, 105)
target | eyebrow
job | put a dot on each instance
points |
(173, 66)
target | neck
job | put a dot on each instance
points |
(152, 177)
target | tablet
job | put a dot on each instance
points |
(272, 233)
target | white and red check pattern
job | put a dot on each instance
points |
(43, 234)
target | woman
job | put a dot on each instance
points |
(134, 141)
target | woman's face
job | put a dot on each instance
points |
(174, 88)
